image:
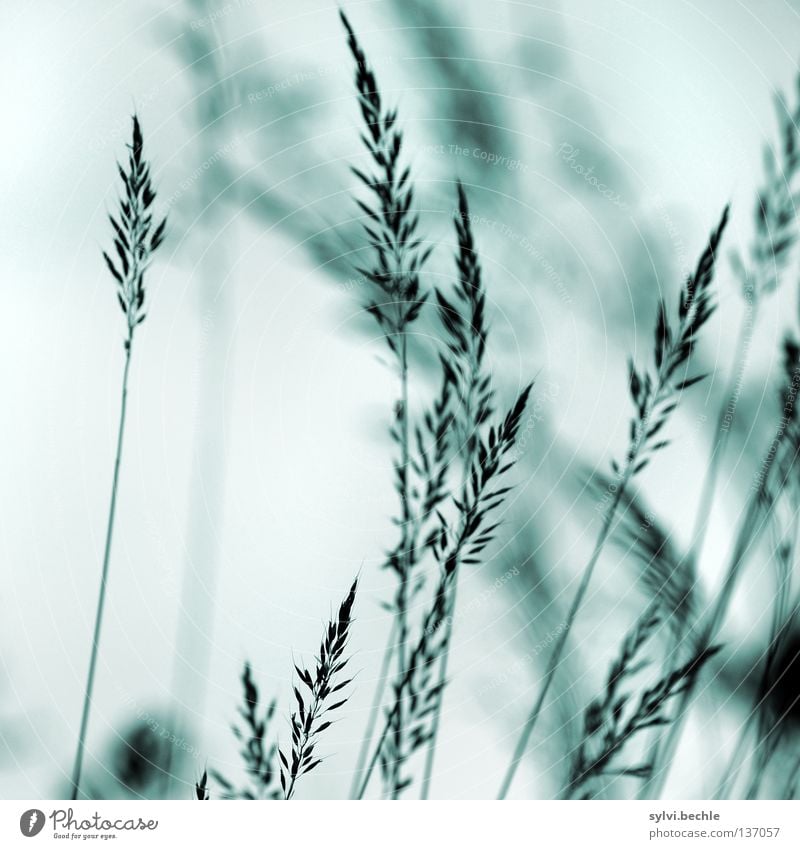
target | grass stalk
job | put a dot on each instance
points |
(758, 514)
(466, 332)
(377, 701)
(101, 598)
(135, 240)
(322, 682)
(555, 657)
(655, 398)
(407, 540)
(430, 753)
(760, 275)
(708, 492)
(397, 257)
(478, 501)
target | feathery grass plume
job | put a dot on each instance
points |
(466, 330)
(310, 719)
(775, 234)
(760, 274)
(201, 788)
(135, 240)
(429, 461)
(668, 575)
(774, 474)
(417, 691)
(655, 395)
(259, 756)
(466, 333)
(609, 723)
(392, 225)
(398, 256)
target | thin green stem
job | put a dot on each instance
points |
(555, 657)
(87, 700)
(749, 533)
(313, 712)
(724, 424)
(627, 473)
(779, 621)
(437, 715)
(405, 553)
(468, 441)
(723, 429)
(377, 700)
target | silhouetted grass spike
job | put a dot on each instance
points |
(655, 395)
(134, 243)
(609, 723)
(777, 471)
(392, 225)
(760, 274)
(134, 238)
(417, 693)
(478, 499)
(397, 256)
(258, 755)
(432, 446)
(464, 323)
(309, 721)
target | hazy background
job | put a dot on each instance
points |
(257, 474)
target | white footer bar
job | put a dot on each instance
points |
(402, 825)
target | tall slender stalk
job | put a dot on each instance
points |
(782, 620)
(309, 720)
(466, 336)
(134, 241)
(377, 701)
(760, 274)
(101, 599)
(397, 258)
(478, 501)
(430, 754)
(723, 429)
(555, 657)
(655, 398)
(724, 423)
(606, 728)
(781, 455)
(404, 570)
